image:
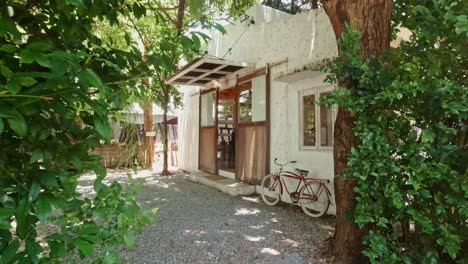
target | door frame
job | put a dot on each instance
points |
(265, 71)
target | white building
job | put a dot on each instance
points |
(260, 81)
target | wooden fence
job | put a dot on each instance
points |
(117, 155)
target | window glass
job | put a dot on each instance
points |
(326, 125)
(245, 102)
(308, 120)
(208, 104)
(252, 100)
(259, 99)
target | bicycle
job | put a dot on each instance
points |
(312, 194)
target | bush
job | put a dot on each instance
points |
(411, 112)
(58, 86)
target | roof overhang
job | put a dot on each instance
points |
(202, 71)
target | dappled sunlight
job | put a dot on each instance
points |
(326, 227)
(277, 231)
(251, 199)
(246, 211)
(274, 220)
(257, 227)
(289, 242)
(226, 231)
(194, 232)
(254, 239)
(270, 251)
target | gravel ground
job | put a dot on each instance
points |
(200, 224)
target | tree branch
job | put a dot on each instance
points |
(180, 16)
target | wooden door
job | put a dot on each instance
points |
(208, 131)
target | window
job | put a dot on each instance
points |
(245, 106)
(252, 100)
(308, 120)
(208, 104)
(316, 122)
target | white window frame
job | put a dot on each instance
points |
(314, 91)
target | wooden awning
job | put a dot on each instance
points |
(201, 71)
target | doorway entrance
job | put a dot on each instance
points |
(234, 134)
(226, 141)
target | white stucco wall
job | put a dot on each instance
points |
(304, 39)
(285, 131)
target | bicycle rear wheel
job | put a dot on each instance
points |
(314, 199)
(271, 189)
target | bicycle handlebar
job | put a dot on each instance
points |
(284, 164)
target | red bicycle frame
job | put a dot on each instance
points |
(300, 179)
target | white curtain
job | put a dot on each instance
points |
(188, 131)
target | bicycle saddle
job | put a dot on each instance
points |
(302, 172)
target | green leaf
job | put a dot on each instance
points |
(196, 42)
(57, 249)
(48, 179)
(19, 125)
(90, 77)
(6, 212)
(103, 128)
(9, 255)
(23, 223)
(84, 246)
(34, 249)
(4, 225)
(427, 136)
(186, 42)
(44, 61)
(36, 155)
(129, 240)
(28, 56)
(1, 126)
(220, 28)
(43, 207)
(39, 46)
(75, 2)
(5, 71)
(34, 191)
(8, 48)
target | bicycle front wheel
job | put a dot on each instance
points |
(314, 199)
(271, 189)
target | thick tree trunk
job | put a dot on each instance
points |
(372, 18)
(149, 141)
(348, 237)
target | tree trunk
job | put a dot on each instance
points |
(149, 141)
(372, 18)
(165, 170)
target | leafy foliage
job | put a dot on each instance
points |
(411, 112)
(58, 85)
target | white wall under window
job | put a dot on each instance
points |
(285, 131)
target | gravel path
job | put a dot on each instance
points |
(199, 224)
